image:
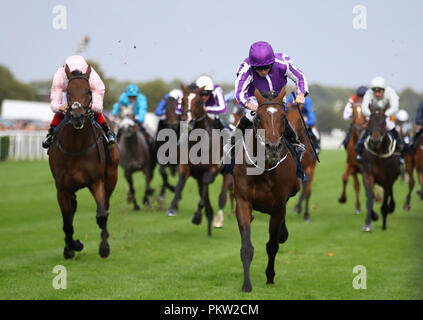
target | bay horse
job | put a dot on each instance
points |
(414, 160)
(380, 165)
(359, 123)
(308, 162)
(78, 159)
(171, 122)
(135, 156)
(204, 173)
(267, 192)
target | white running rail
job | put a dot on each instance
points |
(25, 145)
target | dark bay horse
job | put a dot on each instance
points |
(359, 123)
(414, 160)
(77, 160)
(380, 165)
(204, 173)
(308, 161)
(135, 156)
(171, 122)
(267, 192)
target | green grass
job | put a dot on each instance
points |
(158, 257)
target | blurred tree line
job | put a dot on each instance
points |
(328, 102)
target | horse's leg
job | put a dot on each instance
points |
(368, 181)
(384, 207)
(183, 176)
(357, 193)
(298, 207)
(130, 190)
(223, 197)
(420, 177)
(345, 176)
(148, 190)
(244, 216)
(209, 211)
(98, 192)
(67, 203)
(203, 185)
(163, 173)
(310, 175)
(410, 168)
(272, 246)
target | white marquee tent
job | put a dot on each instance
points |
(26, 110)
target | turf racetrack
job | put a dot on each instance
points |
(158, 257)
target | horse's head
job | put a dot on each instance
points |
(79, 96)
(377, 126)
(359, 120)
(172, 118)
(127, 127)
(271, 117)
(192, 105)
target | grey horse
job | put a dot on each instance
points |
(135, 156)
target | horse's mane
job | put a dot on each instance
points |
(76, 73)
(269, 95)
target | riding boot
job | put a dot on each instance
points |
(109, 134)
(293, 139)
(219, 124)
(243, 124)
(49, 137)
(400, 144)
(347, 138)
(360, 144)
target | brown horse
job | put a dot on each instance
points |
(269, 191)
(203, 172)
(359, 123)
(414, 159)
(171, 122)
(308, 161)
(78, 159)
(380, 165)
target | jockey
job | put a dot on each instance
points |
(176, 94)
(348, 110)
(378, 97)
(137, 101)
(268, 72)
(309, 116)
(419, 127)
(403, 127)
(58, 100)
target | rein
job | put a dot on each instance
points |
(391, 149)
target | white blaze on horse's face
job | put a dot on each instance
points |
(191, 97)
(272, 110)
(76, 105)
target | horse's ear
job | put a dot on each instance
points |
(259, 97)
(183, 88)
(68, 72)
(281, 95)
(201, 89)
(88, 72)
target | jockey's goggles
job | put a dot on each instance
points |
(378, 89)
(205, 93)
(261, 68)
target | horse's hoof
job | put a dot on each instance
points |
(357, 211)
(374, 216)
(136, 207)
(104, 250)
(196, 218)
(367, 228)
(407, 207)
(246, 287)
(162, 197)
(306, 220)
(68, 253)
(172, 212)
(297, 210)
(77, 245)
(342, 200)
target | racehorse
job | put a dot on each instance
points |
(171, 122)
(204, 173)
(308, 161)
(381, 165)
(269, 191)
(359, 123)
(135, 156)
(78, 159)
(414, 159)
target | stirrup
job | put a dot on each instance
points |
(47, 141)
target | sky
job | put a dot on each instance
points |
(182, 39)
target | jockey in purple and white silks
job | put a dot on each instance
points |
(213, 98)
(268, 72)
